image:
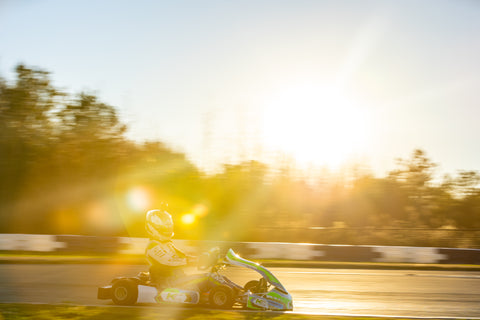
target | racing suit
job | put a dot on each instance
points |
(166, 262)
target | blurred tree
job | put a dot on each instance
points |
(88, 118)
(373, 203)
(415, 175)
(416, 172)
(466, 213)
(466, 183)
(48, 143)
(236, 199)
(26, 134)
(170, 177)
(66, 167)
(90, 138)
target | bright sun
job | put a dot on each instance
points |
(317, 125)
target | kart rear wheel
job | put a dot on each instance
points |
(124, 292)
(221, 297)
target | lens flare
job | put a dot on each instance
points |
(138, 199)
(188, 218)
(198, 211)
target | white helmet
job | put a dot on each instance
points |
(159, 225)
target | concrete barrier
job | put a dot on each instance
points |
(73, 244)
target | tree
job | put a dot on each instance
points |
(415, 175)
(466, 183)
(466, 213)
(25, 131)
(87, 118)
(90, 138)
(48, 141)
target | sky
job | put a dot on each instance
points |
(325, 83)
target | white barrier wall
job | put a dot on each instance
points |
(71, 244)
(29, 242)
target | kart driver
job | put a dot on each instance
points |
(165, 260)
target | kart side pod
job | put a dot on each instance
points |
(127, 291)
(270, 301)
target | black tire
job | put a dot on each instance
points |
(124, 292)
(221, 297)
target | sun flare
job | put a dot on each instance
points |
(317, 125)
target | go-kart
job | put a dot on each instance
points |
(210, 289)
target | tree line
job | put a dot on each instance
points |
(66, 167)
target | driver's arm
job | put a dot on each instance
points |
(189, 257)
(162, 254)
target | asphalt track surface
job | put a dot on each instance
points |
(406, 293)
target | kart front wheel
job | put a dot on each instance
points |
(124, 292)
(221, 297)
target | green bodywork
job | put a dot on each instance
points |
(276, 299)
(235, 259)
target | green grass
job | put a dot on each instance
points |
(41, 258)
(72, 312)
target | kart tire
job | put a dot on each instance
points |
(124, 292)
(221, 297)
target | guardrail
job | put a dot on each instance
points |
(73, 244)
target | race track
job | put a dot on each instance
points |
(320, 291)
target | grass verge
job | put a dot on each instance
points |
(49, 312)
(41, 258)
